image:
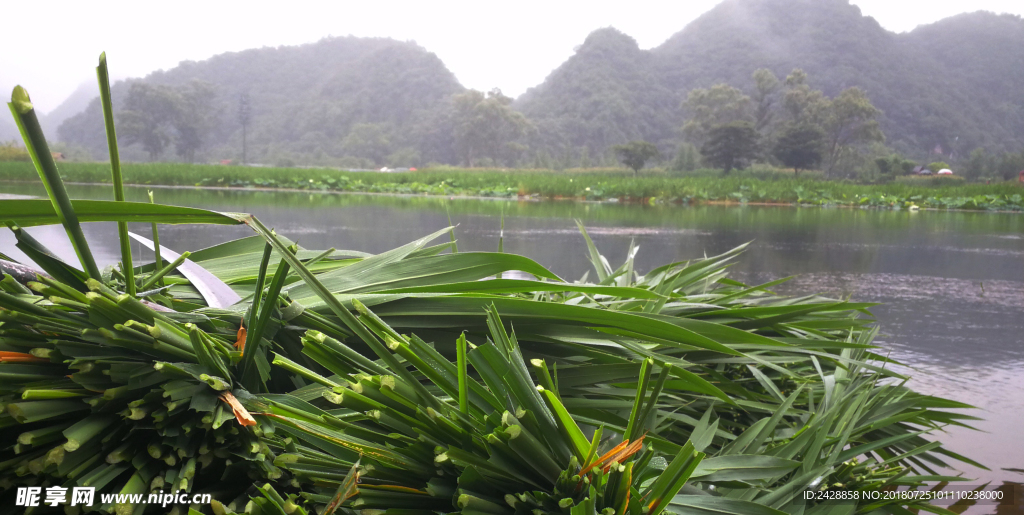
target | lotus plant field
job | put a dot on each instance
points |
(285, 380)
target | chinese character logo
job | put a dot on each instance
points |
(83, 495)
(28, 496)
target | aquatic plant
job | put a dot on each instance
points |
(596, 186)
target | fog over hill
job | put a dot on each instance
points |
(8, 131)
(304, 100)
(72, 105)
(954, 85)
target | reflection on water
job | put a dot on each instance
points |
(951, 283)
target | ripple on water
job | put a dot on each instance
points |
(817, 246)
(901, 287)
(602, 231)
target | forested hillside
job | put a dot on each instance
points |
(830, 40)
(303, 102)
(955, 84)
(607, 93)
(947, 88)
(980, 68)
(75, 103)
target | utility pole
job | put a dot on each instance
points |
(244, 116)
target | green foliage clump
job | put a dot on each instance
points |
(894, 165)
(635, 154)
(687, 158)
(800, 146)
(730, 145)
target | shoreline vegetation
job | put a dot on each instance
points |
(604, 184)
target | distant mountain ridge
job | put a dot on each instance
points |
(75, 103)
(954, 85)
(304, 99)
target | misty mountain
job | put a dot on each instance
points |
(8, 130)
(607, 93)
(954, 84)
(75, 103)
(304, 100)
(980, 71)
(828, 39)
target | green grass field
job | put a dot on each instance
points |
(599, 184)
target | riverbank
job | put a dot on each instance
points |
(603, 185)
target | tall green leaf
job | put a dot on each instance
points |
(39, 150)
(115, 171)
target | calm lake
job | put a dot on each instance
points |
(951, 284)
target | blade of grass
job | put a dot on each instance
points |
(46, 260)
(115, 171)
(253, 349)
(501, 236)
(463, 374)
(32, 212)
(159, 274)
(158, 262)
(638, 402)
(39, 150)
(216, 293)
(451, 230)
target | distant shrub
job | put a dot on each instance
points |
(9, 151)
(894, 165)
(937, 165)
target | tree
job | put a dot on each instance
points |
(1010, 165)
(156, 116)
(766, 86)
(585, 157)
(893, 165)
(148, 117)
(730, 144)
(687, 158)
(244, 118)
(368, 140)
(850, 120)
(194, 118)
(979, 164)
(801, 103)
(708, 108)
(800, 146)
(486, 126)
(635, 154)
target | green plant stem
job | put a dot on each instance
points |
(157, 261)
(115, 170)
(25, 116)
(152, 279)
(463, 364)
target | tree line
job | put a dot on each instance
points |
(157, 117)
(783, 122)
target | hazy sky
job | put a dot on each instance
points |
(55, 44)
